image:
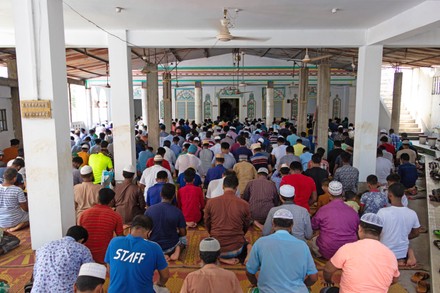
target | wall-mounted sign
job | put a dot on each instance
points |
(36, 109)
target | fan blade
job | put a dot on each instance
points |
(202, 39)
(250, 39)
(320, 57)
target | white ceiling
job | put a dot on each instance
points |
(205, 14)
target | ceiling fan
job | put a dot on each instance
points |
(224, 35)
(307, 58)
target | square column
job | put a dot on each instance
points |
(144, 103)
(41, 60)
(367, 110)
(167, 111)
(122, 107)
(269, 104)
(301, 119)
(397, 98)
(153, 106)
(323, 105)
(198, 102)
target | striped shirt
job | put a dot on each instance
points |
(100, 221)
(259, 160)
(10, 212)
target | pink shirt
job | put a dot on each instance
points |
(367, 266)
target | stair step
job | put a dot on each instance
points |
(408, 125)
(410, 130)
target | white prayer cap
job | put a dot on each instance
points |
(196, 138)
(373, 219)
(335, 188)
(209, 244)
(287, 191)
(255, 146)
(263, 170)
(129, 169)
(261, 140)
(85, 170)
(93, 270)
(157, 158)
(85, 146)
(383, 131)
(283, 214)
(217, 138)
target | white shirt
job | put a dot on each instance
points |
(215, 189)
(398, 223)
(170, 156)
(185, 161)
(388, 155)
(148, 177)
(279, 152)
(216, 149)
(383, 169)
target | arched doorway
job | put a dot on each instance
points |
(229, 109)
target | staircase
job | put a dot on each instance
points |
(407, 122)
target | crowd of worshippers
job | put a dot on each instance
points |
(227, 178)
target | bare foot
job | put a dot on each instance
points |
(229, 261)
(176, 254)
(18, 227)
(411, 260)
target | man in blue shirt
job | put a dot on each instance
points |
(407, 172)
(284, 262)
(169, 230)
(133, 260)
(143, 158)
(153, 193)
(215, 172)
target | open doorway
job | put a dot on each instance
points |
(229, 109)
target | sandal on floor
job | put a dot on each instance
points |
(422, 287)
(419, 276)
(436, 243)
(436, 232)
(435, 198)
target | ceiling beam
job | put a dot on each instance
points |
(421, 60)
(137, 54)
(84, 52)
(10, 82)
(265, 52)
(75, 81)
(83, 70)
(174, 52)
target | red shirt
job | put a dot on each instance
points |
(165, 164)
(389, 147)
(304, 187)
(190, 200)
(101, 222)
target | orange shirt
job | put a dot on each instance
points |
(10, 153)
(84, 156)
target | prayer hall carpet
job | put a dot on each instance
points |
(16, 266)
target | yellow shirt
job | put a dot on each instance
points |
(298, 149)
(99, 162)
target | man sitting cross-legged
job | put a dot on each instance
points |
(133, 259)
(211, 277)
(367, 265)
(190, 199)
(227, 218)
(284, 262)
(169, 229)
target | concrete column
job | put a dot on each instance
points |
(89, 105)
(15, 101)
(301, 120)
(144, 103)
(397, 98)
(41, 60)
(153, 106)
(269, 104)
(351, 103)
(367, 110)
(198, 104)
(323, 104)
(122, 107)
(167, 110)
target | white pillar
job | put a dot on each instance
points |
(41, 60)
(269, 104)
(144, 103)
(367, 110)
(351, 103)
(89, 105)
(122, 103)
(198, 103)
(323, 105)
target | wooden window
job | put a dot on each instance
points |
(3, 121)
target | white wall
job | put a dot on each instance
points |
(5, 103)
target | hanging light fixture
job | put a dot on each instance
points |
(106, 72)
